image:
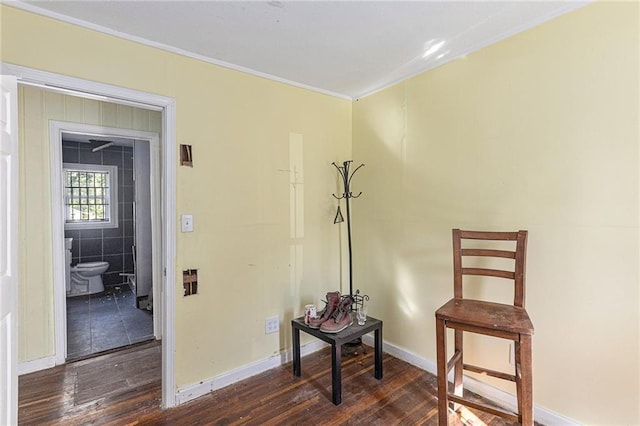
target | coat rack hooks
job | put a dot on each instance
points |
(346, 179)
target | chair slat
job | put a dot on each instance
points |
(489, 253)
(489, 272)
(455, 358)
(489, 372)
(488, 235)
(495, 411)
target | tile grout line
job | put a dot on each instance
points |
(124, 324)
(121, 299)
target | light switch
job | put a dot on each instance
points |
(187, 223)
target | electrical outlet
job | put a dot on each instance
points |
(271, 325)
(512, 353)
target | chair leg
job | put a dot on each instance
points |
(457, 370)
(525, 398)
(518, 375)
(441, 349)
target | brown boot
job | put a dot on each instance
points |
(341, 318)
(333, 298)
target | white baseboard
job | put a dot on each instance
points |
(190, 392)
(36, 365)
(542, 415)
(505, 399)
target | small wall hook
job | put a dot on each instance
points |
(338, 218)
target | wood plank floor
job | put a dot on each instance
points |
(123, 388)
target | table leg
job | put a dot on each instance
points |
(378, 354)
(336, 373)
(295, 333)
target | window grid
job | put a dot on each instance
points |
(87, 196)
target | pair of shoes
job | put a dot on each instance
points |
(341, 317)
(333, 298)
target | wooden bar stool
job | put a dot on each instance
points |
(487, 318)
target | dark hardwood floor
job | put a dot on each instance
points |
(123, 388)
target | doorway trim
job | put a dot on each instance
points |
(124, 96)
(56, 129)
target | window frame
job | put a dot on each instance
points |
(113, 195)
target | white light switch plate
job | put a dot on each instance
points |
(187, 222)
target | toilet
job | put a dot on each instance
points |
(85, 278)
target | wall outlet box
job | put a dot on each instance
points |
(190, 281)
(271, 325)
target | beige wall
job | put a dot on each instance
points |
(37, 107)
(538, 132)
(242, 128)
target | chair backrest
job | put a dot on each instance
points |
(517, 273)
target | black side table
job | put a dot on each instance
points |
(337, 340)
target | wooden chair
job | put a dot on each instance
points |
(493, 319)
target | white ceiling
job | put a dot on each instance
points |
(344, 48)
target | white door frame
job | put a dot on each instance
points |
(56, 128)
(8, 251)
(167, 105)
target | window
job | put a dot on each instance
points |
(91, 196)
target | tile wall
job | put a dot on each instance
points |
(113, 245)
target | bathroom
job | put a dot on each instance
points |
(106, 185)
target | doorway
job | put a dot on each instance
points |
(122, 308)
(109, 277)
(167, 106)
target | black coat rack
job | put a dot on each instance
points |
(347, 175)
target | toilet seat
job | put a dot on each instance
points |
(90, 264)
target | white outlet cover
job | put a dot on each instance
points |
(187, 222)
(271, 325)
